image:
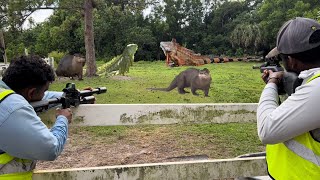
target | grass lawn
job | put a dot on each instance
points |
(233, 82)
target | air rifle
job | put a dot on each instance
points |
(71, 97)
(272, 62)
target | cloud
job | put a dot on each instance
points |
(38, 16)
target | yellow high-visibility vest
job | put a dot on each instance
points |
(12, 168)
(298, 158)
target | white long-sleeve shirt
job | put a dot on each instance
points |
(298, 114)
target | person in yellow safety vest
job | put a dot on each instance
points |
(24, 138)
(291, 130)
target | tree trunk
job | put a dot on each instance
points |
(3, 48)
(89, 39)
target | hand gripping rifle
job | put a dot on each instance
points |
(272, 62)
(71, 97)
(289, 79)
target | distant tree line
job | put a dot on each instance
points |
(218, 27)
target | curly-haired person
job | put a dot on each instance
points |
(24, 138)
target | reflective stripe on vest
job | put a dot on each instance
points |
(11, 167)
(302, 151)
(298, 158)
(313, 77)
(4, 93)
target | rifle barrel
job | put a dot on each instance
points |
(54, 100)
(88, 100)
(98, 90)
(85, 98)
(43, 105)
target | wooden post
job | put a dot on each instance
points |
(2, 45)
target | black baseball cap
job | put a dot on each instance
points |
(298, 35)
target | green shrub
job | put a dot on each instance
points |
(239, 52)
(14, 50)
(57, 56)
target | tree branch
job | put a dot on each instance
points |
(53, 8)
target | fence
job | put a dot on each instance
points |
(50, 61)
(3, 67)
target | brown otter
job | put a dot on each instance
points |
(71, 66)
(193, 78)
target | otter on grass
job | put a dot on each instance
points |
(193, 78)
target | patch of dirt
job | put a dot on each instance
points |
(65, 79)
(85, 149)
(122, 78)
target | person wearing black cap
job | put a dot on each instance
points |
(291, 130)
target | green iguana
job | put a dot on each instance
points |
(120, 63)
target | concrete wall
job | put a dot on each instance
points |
(131, 114)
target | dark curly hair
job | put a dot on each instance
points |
(28, 71)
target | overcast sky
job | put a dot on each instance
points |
(39, 16)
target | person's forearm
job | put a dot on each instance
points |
(52, 94)
(60, 131)
(296, 115)
(267, 104)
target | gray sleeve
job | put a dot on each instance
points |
(52, 94)
(298, 114)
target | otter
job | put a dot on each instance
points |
(193, 78)
(71, 66)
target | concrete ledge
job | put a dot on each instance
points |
(132, 114)
(202, 170)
